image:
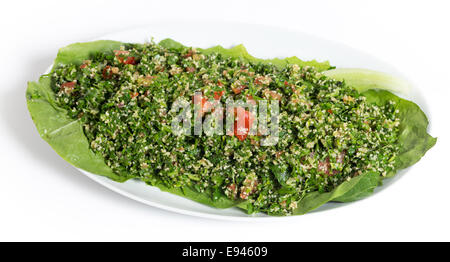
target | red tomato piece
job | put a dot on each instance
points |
(123, 57)
(130, 61)
(218, 94)
(243, 124)
(107, 74)
(239, 89)
(68, 87)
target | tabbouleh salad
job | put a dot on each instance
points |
(328, 132)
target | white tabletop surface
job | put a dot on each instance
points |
(42, 197)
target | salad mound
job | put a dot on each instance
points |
(107, 106)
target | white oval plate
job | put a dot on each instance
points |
(261, 42)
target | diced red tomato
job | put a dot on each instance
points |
(203, 101)
(67, 87)
(85, 64)
(68, 84)
(330, 111)
(205, 105)
(135, 94)
(218, 94)
(188, 54)
(243, 123)
(107, 74)
(233, 190)
(123, 57)
(239, 89)
(130, 60)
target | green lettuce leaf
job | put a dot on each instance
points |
(354, 189)
(240, 51)
(365, 79)
(62, 133)
(206, 198)
(78, 52)
(67, 138)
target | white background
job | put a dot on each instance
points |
(44, 198)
